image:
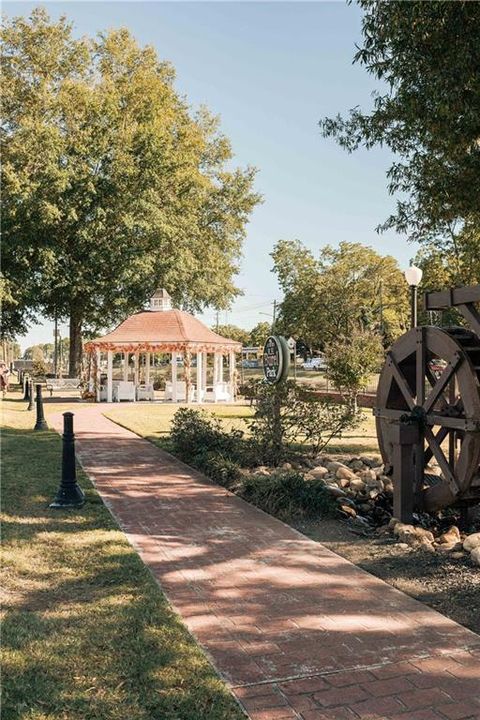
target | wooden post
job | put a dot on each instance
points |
(109, 375)
(405, 439)
(126, 357)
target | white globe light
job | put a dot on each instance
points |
(413, 275)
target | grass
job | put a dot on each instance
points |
(153, 422)
(87, 633)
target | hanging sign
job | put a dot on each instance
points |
(276, 359)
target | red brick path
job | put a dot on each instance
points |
(296, 630)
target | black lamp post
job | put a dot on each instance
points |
(413, 276)
(30, 395)
(26, 386)
(41, 423)
(69, 494)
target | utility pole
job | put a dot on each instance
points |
(381, 307)
(274, 312)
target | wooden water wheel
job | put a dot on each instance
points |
(431, 378)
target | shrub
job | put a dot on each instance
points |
(201, 441)
(220, 468)
(288, 495)
(288, 414)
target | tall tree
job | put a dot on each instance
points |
(426, 56)
(259, 334)
(345, 289)
(111, 185)
(233, 332)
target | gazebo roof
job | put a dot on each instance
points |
(165, 331)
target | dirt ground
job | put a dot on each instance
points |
(450, 586)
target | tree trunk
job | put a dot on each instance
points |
(75, 352)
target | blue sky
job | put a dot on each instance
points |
(271, 71)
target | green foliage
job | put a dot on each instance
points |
(259, 334)
(233, 333)
(426, 56)
(351, 360)
(199, 439)
(287, 495)
(345, 289)
(287, 415)
(111, 184)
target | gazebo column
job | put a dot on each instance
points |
(174, 376)
(136, 368)
(231, 373)
(109, 375)
(97, 371)
(215, 369)
(126, 357)
(204, 372)
(220, 368)
(199, 377)
(147, 368)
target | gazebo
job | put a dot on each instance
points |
(162, 329)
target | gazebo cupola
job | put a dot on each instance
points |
(160, 300)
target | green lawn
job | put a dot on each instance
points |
(87, 633)
(153, 422)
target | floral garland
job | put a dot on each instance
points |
(142, 347)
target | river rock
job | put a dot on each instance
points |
(472, 542)
(335, 491)
(348, 510)
(333, 466)
(318, 472)
(449, 547)
(343, 473)
(368, 476)
(450, 537)
(357, 485)
(356, 464)
(475, 555)
(370, 462)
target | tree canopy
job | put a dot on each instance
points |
(426, 56)
(344, 289)
(112, 186)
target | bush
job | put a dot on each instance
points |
(220, 468)
(195, 433)
(288, 414)
(288, 495)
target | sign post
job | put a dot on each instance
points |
(276, 359)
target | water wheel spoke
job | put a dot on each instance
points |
(454, 423)
(441, 384)
(439, 437)
(442, 461)
(433, 381)
(402, 382)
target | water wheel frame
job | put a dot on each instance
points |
(446, 407)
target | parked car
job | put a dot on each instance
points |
(316, 363)
(250, 363)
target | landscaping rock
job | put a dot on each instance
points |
(333, 466)
(343, 473)
(356, 464)
(475, 555)
(318, 472)
(472, 542)
(450, 537)
(357, 485)
(335, 491)
(343, 482)
(371, 462)
(348, 510)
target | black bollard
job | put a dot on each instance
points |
(69, 494)
(26, 386)
(41, 423)
(30, 395)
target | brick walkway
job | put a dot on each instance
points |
(296, 631)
